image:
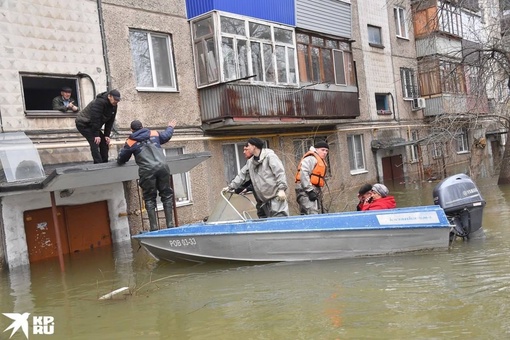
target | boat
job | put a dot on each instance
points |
(231, 234)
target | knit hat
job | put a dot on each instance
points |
(66, 89)
(364, 189)
(259, 143)
(321, 144)
(381, 189)
(136, 125)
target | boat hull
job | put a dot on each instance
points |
(304, 238)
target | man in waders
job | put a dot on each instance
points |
(153, 170)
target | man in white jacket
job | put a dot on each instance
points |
(267, 175)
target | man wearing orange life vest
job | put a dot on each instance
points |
(310, 178)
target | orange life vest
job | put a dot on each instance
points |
(318, 172)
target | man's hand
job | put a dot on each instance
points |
(312, 195)
(107, 140)
(227, 189)
(281, 196)
(172, 123)
(97, 140)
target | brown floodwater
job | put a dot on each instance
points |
(463, 292)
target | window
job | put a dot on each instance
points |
(474, 77)
(260, 51)
(356, 153)
(462, 141)
(430, 82)
(382, 104)
(374, 36)
(324, 60)
(181, 182)
(400, 22)
(437, 150)
(234, 160)
(39, 91)
(449, 19)
(414, 147)
(153, 61)
(409, 88)
(452, 77)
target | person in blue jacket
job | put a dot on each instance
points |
(153, 170)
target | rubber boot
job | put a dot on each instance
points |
(169, 215)
(152, 214)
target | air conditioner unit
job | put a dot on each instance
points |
(418, 103)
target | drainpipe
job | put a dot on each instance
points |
(103, 41)
(393, 105)
(1, 122)
(84, 75)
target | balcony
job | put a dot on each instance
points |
(238, 106)
(456, 104)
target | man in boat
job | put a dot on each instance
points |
(153, 170)
(267, 175)
(310, 178)
(379, 199)
(247, 187)
(363, 194)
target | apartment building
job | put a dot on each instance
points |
(370, 78)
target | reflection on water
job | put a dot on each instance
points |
(458, 293)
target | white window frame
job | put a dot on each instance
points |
(408, 80)
(462, 142)
(437, 150)
(154, 71)
(449, 18)
(401, 22)
(414, 147)
(182, 178)
(290, 53)
(356, 154)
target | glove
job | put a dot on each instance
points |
(239, 190)
(281, 196)
(312, 195)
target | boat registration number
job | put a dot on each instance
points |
(183, 242)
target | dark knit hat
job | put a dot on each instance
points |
(259, 143)
(365, 188)
(136, 125)
(381, 189)
(321, 144)
(66, 89)
(115, 94)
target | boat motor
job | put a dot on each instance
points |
(463, 205)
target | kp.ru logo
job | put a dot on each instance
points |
(40, 324)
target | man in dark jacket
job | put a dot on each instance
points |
(101, 111)
(153, 170)
(65, 102)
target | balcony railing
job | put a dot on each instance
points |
(256, 101)
(456, 104)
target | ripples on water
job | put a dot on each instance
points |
(461, 293)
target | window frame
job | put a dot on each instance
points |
(38, 91)
(183, 178)
(409, 91)
(357, 162)
(414, 147)
(401, 22)
(449, 18)
(316, 70)
(153, 67)
(462, 141)
(378, 30)
(452, 77)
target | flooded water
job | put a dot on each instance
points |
(458, 293)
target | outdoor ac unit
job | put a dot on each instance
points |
(418, 103)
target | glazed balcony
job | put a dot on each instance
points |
(456, 104)
(230, 106)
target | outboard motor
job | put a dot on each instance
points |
(463, 205)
